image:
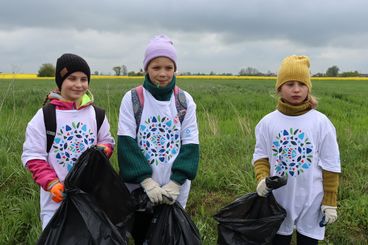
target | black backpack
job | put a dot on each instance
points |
(49, 118)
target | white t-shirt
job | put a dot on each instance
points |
(300, 147)
(160, 135)
(75, 132)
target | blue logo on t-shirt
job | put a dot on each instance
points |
(293, 151)
(70, 142)
(159, 139)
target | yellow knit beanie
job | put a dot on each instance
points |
(294, 68)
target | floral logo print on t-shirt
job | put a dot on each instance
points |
(70, 142)
(293, 151)
(159, 139)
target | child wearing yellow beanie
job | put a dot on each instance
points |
(294, 68)
(299, 142)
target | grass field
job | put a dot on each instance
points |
(227, 111)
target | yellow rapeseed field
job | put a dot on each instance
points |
(17, 76)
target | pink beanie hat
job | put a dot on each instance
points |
(159, 46)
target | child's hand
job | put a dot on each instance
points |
(57, 191)
(173, 190)
(330, 214)
(154, 192)
(105, 149)
(262, 189)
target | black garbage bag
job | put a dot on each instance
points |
(96, 208)
(170, 223)
(141, 200)
(94, 174)
(80, 221)
(251, 219)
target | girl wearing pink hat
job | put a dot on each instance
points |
(158, 147)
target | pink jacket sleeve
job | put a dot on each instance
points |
(42, 172)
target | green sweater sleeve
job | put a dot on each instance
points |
(185, 165)
(134, 167)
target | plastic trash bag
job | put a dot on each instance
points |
(96, 207)
(170, 223)
(251, 219)
(141, 200)
(94, 174)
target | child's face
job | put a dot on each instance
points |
(294, 92)
(161, 71)
(74, 86)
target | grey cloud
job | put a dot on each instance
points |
(310, 22)
(234, 33)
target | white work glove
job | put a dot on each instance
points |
(330, 214)
(262, 189)
(153, 190)
(173, 191)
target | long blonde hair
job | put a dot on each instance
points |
(312, 100)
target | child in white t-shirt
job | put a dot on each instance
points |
(298, 141)
(158, 145)
(50, 159)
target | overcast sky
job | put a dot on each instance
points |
(209, 35)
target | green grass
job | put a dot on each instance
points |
(227, 111)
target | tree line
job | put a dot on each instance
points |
(48, 70)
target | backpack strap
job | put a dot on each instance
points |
(100, 116)
(49, 118)
(180, 103)
(138, 102)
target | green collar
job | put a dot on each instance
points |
(293, 110)
(87, 98)
(161, 94)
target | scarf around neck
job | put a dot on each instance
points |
(160, 93)
(293, 110)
